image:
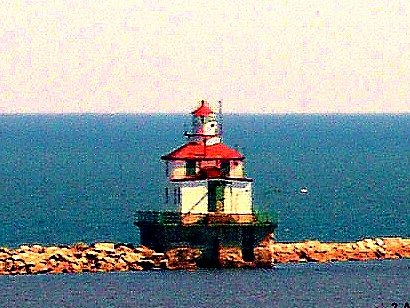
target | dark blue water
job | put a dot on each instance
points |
(65, 179)
(367, 284)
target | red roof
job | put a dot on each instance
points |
(198, 151)
(203, 110)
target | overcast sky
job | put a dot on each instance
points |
(165, 56)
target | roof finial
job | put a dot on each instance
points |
(202, 110)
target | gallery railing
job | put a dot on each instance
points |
(176, 218)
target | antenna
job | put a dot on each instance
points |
(221, 119)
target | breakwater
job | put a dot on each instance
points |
(108, 257)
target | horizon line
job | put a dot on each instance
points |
(182, 113)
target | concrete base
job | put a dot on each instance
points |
(207, 238)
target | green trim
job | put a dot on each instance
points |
(175, 219)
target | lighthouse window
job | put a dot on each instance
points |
(225, 168)
(190, 167)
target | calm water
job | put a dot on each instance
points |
(65, 179)
(369, 284)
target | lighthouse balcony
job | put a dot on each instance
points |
(162, 218)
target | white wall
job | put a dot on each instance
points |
(194, 197)
(238, 198)
(236, 171)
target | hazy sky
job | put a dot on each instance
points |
(165, 56)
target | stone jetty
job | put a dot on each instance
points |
(315, 251)
(109, 257)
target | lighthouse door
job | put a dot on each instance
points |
(216, 196)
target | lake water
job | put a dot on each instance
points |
(65, 179)
(350, 284)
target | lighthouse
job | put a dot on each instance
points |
(210, 195)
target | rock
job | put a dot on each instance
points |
(361, 247)
(121, 266)
(20, 269)
(263, 256)
(106, 247)
(231, 257)
(82, 260)
(312, 244)
(285, 253)
(5, 250)
(296, 246)
(62, 267)
(131, 258)
(124, 250)
(397, 247)
(77, 267)
(345, 247)
(158, 255)
(380, 252)
(146, 264)
(135, 267)
(16, 257)
(64, 255)
(267, 240)
(144, 251)
(371, 244)
(92, 255)
(317, 257)
(40, 268)
(379, 241)
(3, 270)
(124, 245)
(103, 266)
(323, 247)
(49, 251)
(9, 265)
(79, 247)
(37, 249)
(52, 262)
(109, 260)
(406, 242)
(182, 258)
